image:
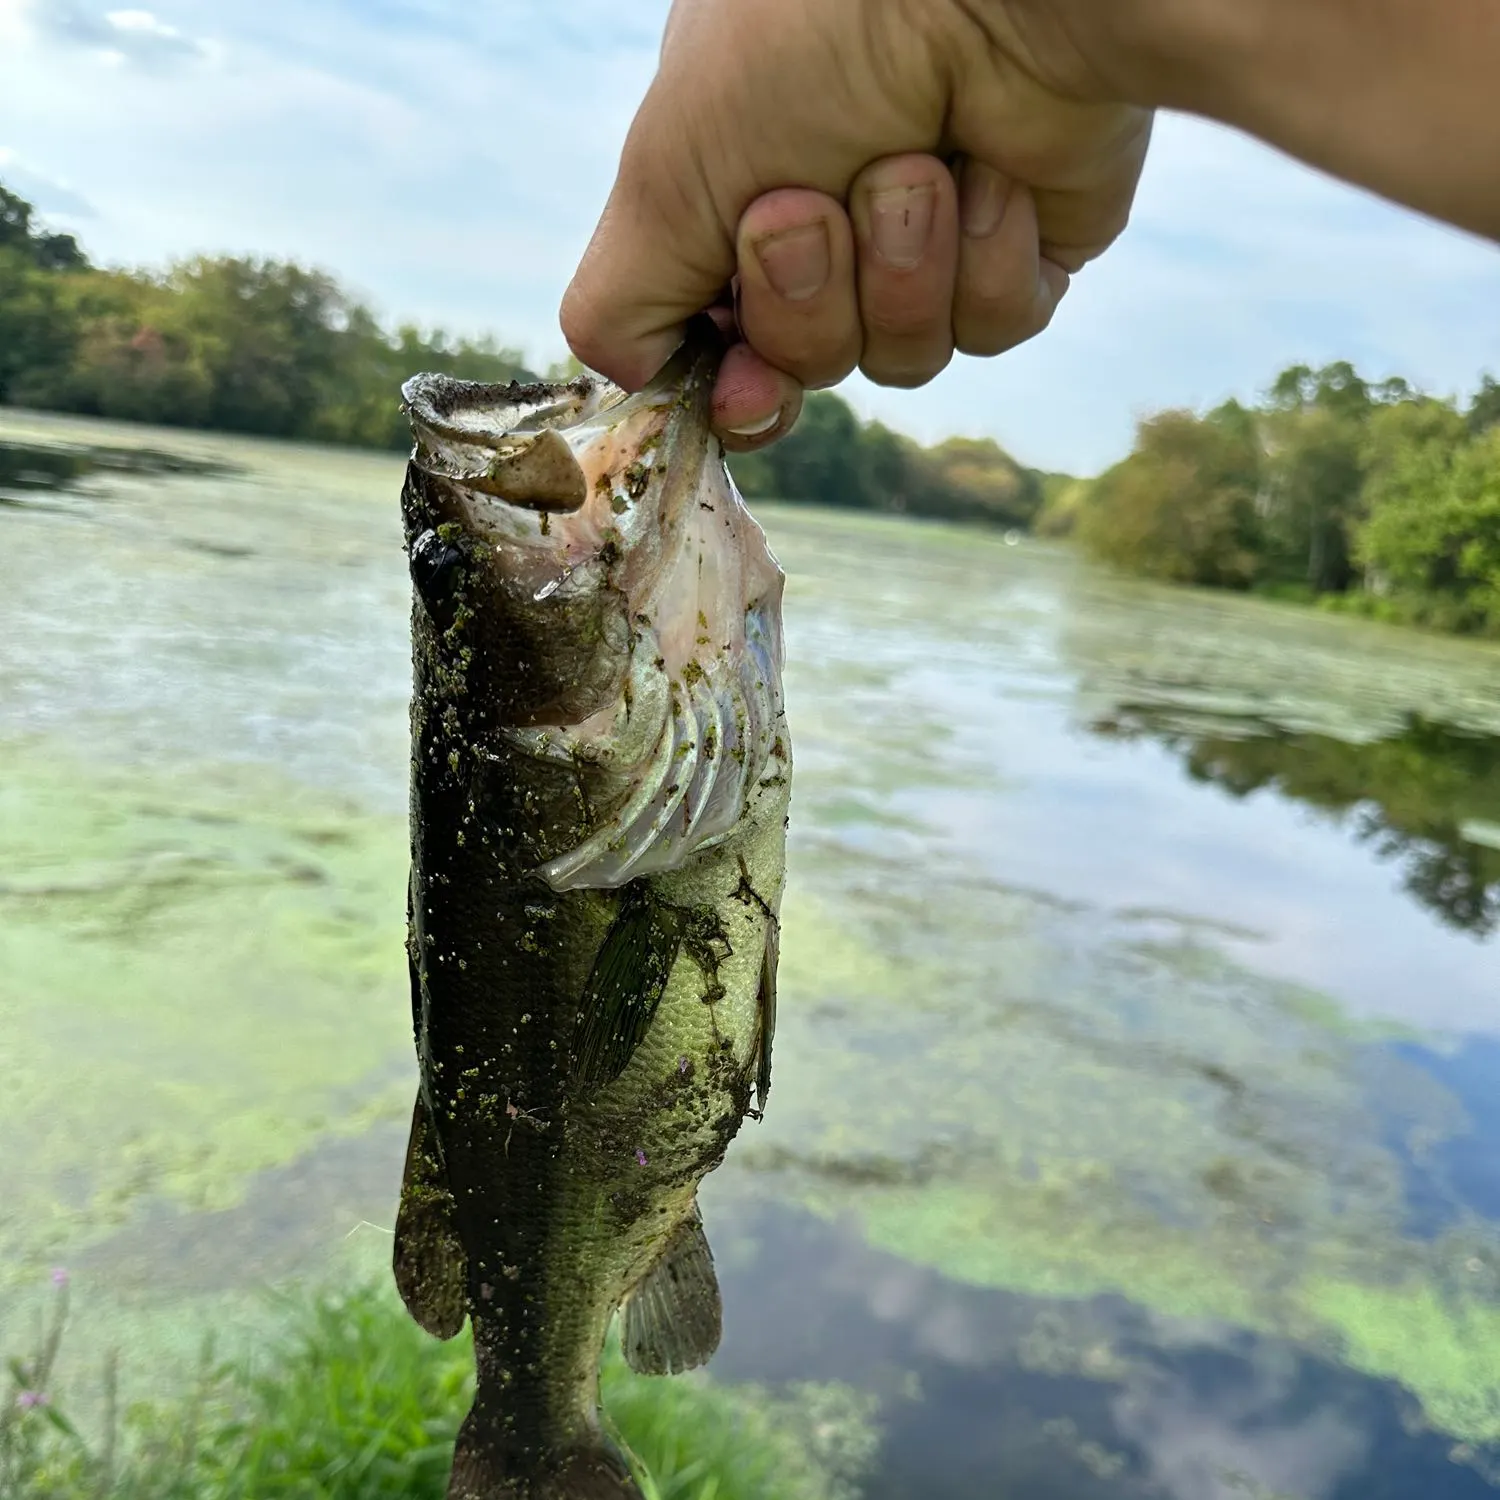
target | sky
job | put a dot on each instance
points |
(447, 161)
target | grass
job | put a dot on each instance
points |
(354, 1402)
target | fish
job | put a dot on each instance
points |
(600, 785)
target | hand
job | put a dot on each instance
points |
(880, 256)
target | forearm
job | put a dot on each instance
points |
(1399, 96)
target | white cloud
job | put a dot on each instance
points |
(55, 199)
(1248, 1439)
(119, 37)
(447, 160)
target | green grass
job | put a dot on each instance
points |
(354, 1402)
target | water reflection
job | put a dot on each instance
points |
(997, 1395)
(28, 470)
(1458, 1173)
(1415, 798)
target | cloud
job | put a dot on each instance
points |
(1253, 1437)
(44, 194)
(136, 37)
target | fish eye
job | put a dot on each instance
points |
(437, 571)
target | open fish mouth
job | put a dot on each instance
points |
(611, 528)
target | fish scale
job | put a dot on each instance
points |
(593, 988)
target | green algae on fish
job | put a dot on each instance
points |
(599, 805)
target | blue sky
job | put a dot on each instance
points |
(447, 161)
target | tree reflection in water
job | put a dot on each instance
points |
(27, 467)
(1410, 797)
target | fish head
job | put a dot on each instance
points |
(596, 588)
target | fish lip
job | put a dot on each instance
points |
(525, 463)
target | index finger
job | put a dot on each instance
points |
(660, 254)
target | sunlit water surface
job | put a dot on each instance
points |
(1134, 1130)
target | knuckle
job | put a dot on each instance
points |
(575, 318)
(896, 321)
(987, 343)
(586, 333)
(905, 369)
(985, 340)
(1010, 304)
(986, 326)
(822, 377)
(810, 355)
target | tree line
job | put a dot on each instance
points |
(1367, 496)
(237, 344)
(268, 347)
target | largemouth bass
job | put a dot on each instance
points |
(600, 781)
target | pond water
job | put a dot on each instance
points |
(1136, 1119)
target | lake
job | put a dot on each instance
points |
(1135, 1129)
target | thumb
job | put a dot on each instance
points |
(660, 254)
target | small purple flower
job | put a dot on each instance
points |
(29, 1399)
(640, 1156)
(59, 1276)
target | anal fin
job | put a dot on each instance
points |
(429, 1261)
(674, 1316)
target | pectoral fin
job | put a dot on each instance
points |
(674, 1316)
(766, 1019)
(429, 1261)
(629, 976)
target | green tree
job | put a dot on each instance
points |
(1337, 388)
(1313, 432)
(975, 478)
(819, 459)
(1432, 539)
(19, 231)
(1182, 507)
(1484, 409)
(1312, 498)
(36, 332)
(831, 458)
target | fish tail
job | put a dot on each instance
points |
(481, 1472)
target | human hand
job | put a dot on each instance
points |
(798, 149)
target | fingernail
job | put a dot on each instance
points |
(755, 429)
(796, 261)
(901, 224)
(982, 197)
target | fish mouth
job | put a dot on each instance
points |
(538, 447)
